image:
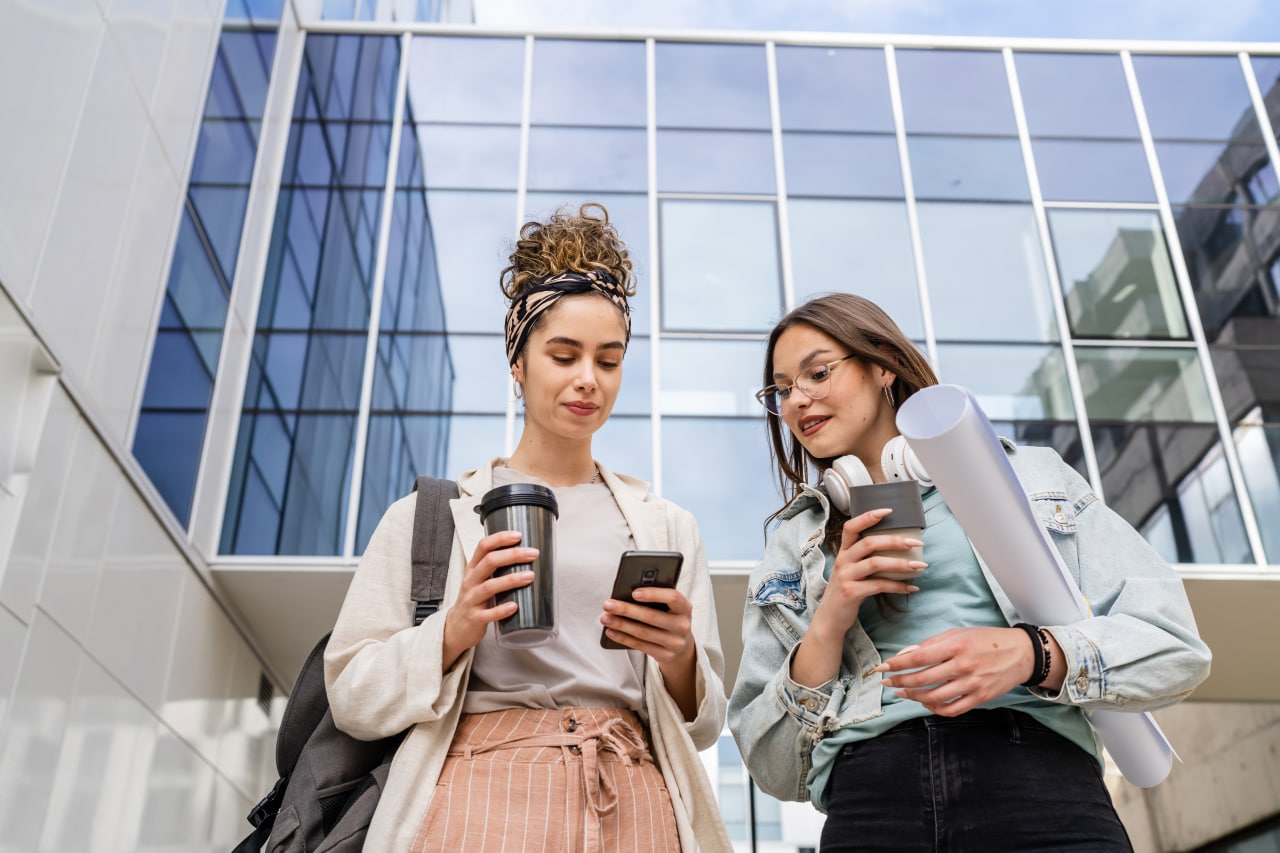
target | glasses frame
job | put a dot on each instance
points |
(763, 394)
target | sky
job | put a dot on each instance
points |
(1195, 20)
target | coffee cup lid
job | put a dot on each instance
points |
(518, 494)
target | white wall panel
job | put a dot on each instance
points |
(12, 634)
(101, 767)
(196, 702)
(178, 802)
(179, 99)
(52, 52)
(137, 605)
(45, 491)
(70, 287)
(31, 739)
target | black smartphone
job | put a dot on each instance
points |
(643, 568)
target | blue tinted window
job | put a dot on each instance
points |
(472, 232)
(1214, 173)
(986, 273)
(1092, 170)
(466, 79)
(1196, 97)
(719, 266)
(1231, 256)
(873, 241)
(254, 10)
(955, 91)
(833, 88)
(945, 167)
(715, 162)
(1266, 70)
(465, 156)
(733, 454)
(1075, 94)
(167, 446)
(712, 86)
(221, 213)
(711, 378)
(588, 83)
(831, 164)
(625, 445)
(186, 380)
(589, 159)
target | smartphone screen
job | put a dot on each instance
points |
(643, 568)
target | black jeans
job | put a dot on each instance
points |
(984, 781)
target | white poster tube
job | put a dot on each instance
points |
(947, 429)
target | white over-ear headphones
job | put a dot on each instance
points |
(897, 461)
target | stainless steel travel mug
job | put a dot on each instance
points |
(530, 509)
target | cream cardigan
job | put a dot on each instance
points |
(383, 675)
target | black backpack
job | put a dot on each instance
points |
(330, 782)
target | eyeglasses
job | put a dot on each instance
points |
(814, 381)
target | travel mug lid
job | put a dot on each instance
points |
(903, 497)
(518, 494)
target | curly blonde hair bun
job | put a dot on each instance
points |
(566, 242)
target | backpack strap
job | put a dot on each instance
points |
(432, 544)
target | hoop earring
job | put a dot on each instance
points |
(888, 396)
(519, 392)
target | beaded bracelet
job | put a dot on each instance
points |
(1040, 649)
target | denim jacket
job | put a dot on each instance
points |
(1137, 651)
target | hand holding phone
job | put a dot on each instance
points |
(643, 568)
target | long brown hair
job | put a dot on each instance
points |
(866, 331)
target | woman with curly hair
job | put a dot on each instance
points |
(568, 745)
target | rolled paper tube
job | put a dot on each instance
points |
(954, 441)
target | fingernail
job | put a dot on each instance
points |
(881, 512)
(531, 552)
(901, 694)
(913, 589)
(916, 564)
(914, 543)
(906, 649)
(611, 605)
(881, 668)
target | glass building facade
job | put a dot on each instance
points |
(1087, 238)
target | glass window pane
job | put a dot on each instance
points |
(719, 266)
(397, 450)
(833, 88)
(711, 377)
(473, 234)
(831, 164)
(955, 91)
(1075, 94)
(964, 168)
(590, 159)
(429, 373)
(625, 445)
(1213, 173)
(1086, 170)
(1230, 255)
(986, 273)
(1259, 450)
(463, 156)
(712, 85)
(732, 454)
(167, 446)
(694, 161)
(466, 79)
(1266, 70)
(613, 93)
(1196, 97)
(873, 241)
(1171, 483)
(221, 214)
(1131, 384)
(1246, 377)
(630, 215)
(1012, 383)
(1115, 271)
(1062, 437)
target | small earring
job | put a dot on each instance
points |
(888, 396)
(519, 392)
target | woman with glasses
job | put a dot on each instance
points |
(569, 745)
(904, 697)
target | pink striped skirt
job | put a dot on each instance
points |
(564, 780)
